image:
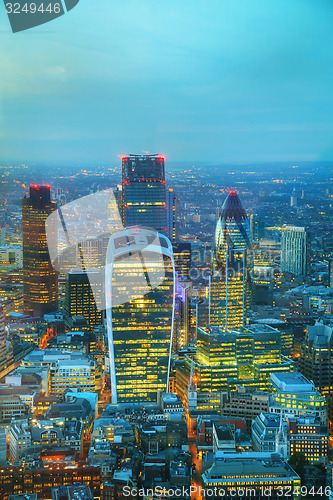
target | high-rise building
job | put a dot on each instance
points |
(257, 227)
(182, 256)
(181, 335)
(140, 329)
(171, 214)
(316, 357)
(295, 249)
(226, 359)
(79, 298)
(40, 279)
(143, 192)
(230, 288)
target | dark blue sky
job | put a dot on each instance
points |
(216, 80)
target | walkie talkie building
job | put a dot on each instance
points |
(140, 313)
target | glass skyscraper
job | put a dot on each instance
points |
(143, 192)
(140, 314)
(230, 287)
(40, 279)
(295, 250)
(79, 298)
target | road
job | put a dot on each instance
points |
(196, 478)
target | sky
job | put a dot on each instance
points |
(194, 80)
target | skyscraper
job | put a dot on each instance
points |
(183, 258)
(79, 298)
(171, 214)
(140, 314)
(295, 249)
(257, 227)
(230, 287)
(40, 279)
(181, 335)
(143, 192)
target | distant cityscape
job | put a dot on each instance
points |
(169, 335)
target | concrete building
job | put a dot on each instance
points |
(270, 434)
(308, 435)
(19, 440)
(247, 404)
(234, 473)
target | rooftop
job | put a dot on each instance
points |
(291, 382)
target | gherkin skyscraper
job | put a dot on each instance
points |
(230, 290)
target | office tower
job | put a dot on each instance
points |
(139, 328)
(295, 249)
(316, 357)
(226, 359)
(171, 214)
(257, 227)
(79, 299)
(230, 288)
(40, 286)
(182, 328)
(118, 195)
(143, 192)
(286, 332)
(183, 259)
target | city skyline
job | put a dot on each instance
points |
(166, 250)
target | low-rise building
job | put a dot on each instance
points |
(72, 492)
(232, 474)
(246, 403)
(270, 434)
(77, 409)
(308, 435)
(295, 395)
(19, 440)
(171, 405)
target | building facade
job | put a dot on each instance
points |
(316, 357)
(295, 250)
(295, 395)
(40, 280)
(230, 287)
(79, 298)
(235, 475)
(308, 435)
(140, 329)
(144, 192)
